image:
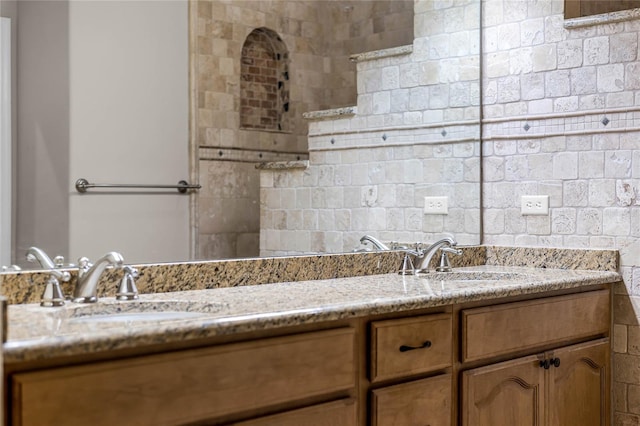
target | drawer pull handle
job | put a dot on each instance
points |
(405, 348)
(545, 364)
(555, 362)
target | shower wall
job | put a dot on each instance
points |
(319, 36)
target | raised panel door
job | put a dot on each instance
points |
(505, 394)
(578, 389)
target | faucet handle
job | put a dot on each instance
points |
(59, 262)
(451, 250)
(12, 268)
(84, 264)
(63, 276)
(407, 265)
(128, 289)
(53, 295)
(445, 265)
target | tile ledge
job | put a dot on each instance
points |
(282, 165)
(330, 114)
(604, 18)
(384, 53)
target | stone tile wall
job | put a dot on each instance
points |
(346, 194)
(562, 118)
(228, 201)
(414, 133)
(319, 36)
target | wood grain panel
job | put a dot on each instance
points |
(387, 361)
(417, 403)
(337, 413)
(502, 329)
(505, 394)
(190, 385)
(579, 386)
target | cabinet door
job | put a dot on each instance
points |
(417, 403)
(578, 389)
(505, 394)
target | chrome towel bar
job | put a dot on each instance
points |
(82, 185)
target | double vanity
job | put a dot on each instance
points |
(486, 344)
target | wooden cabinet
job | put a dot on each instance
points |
(188, 386)
(401, 349)
(561, 385)
(504, 394)
(455, 365)
(578, 389)
(571, 391)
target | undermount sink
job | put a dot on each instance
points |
(141, 311)
(471, 276)
(34, 322)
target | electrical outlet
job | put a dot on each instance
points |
(534, 205)
(436, 205)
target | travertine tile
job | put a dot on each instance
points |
(619, 338)
(544, 57)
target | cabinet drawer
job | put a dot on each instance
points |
(502, 329)
(338, 413)
(188, 386)
(431, 334)
(417, 403)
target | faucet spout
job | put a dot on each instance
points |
(376, 243)
(35, 254)
(88, 275)
(422, 262)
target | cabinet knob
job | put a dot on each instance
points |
(555, 362)
(545, 364)
(405, 348)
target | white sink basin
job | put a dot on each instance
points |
(140, 311)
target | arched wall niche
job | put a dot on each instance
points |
(264, 82)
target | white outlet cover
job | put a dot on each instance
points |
(436, 205)
(535, 205)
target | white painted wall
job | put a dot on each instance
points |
(5, 141)
(113, 108)
(129, 124)
(42, 148)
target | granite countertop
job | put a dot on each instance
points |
(36, 333)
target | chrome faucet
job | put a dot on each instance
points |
(89, 274)
(376, 243)
(424, 256)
